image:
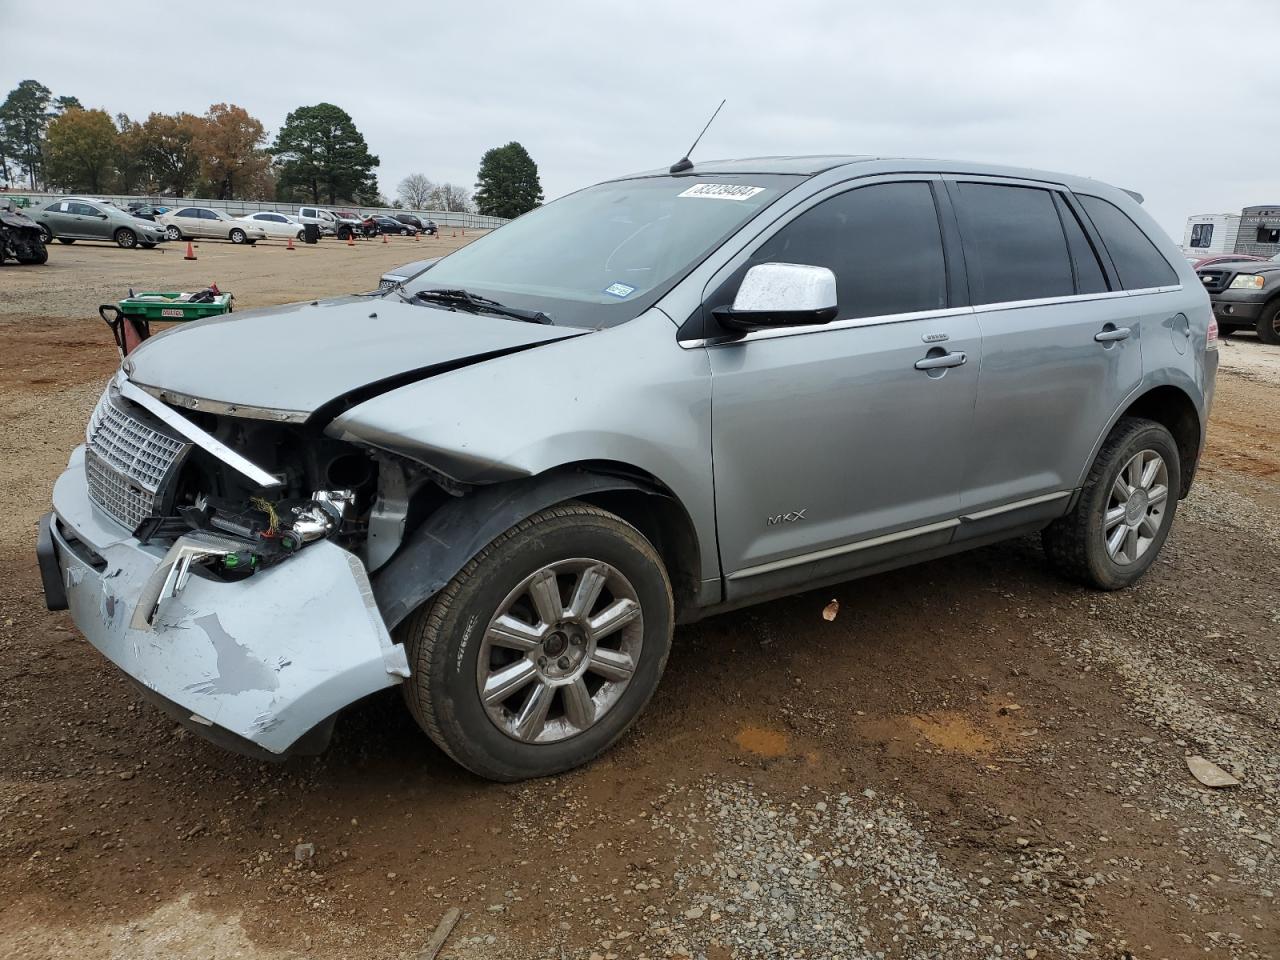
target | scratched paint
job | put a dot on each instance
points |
(239, 671)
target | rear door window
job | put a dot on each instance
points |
(882, 242)
(1138, 262)
(1014, 245)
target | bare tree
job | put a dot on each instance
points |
(451, 197)
(415, 191)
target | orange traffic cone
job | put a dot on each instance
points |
(384, 238)
(415, 238)
(351, 238)
(454, 234)
(191, 253)
(290, 244)
(464, 231)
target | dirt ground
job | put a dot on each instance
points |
(973, 759)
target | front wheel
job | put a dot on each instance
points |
(46, 234)
(126, 239)
(1125, 509)
(1269, 325)
(574, 615)
(238, 236)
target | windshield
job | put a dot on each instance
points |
(604, 254)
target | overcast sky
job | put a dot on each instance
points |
(1147, 94)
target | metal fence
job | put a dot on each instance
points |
(236, 208)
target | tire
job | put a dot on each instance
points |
(41, 256)
(46, 234)
(237, 236)
(1269, 324)
(301, 237)
(125, 238)
(1077, 544)
(173, 232)
(570, 542)
(67, 240)
(404, 233)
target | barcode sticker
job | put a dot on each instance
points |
(722, 191)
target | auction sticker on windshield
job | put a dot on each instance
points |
(620, 290)
(722, 191)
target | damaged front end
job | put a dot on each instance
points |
(221, 562)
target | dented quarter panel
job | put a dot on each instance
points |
(266, 658)
(625, 395)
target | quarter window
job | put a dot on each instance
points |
(1014, 245)
(882, 242)
(1138, 262)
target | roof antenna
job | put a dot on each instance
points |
(684, 163)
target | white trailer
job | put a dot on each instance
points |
(1211, 233)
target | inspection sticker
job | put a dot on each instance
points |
(619, 290)
(722, 191)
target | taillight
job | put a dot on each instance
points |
(1211, 343)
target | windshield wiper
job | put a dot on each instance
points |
(464, 300)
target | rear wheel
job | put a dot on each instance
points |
(1269, 324)
(238, 236)
(1125, 509)
(126, 239)
(172, 232)
(575, 613)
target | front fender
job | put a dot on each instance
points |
(434, 553)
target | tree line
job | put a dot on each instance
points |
(318, 155)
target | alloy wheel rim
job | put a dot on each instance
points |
(560, 651)
(1135, 507)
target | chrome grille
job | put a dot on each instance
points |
(129, 462)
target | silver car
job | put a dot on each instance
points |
(76, 218)
(500, 484)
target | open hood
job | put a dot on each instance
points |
(298, 357)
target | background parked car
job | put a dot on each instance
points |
(279, 226)
(413, 220)
(1219, 258)
(326, 221)
(387, 224)
(76, 218)
(1245, 294)
(145, 211)
(202, 222)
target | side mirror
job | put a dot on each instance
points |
(781, 295)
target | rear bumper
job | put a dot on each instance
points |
(260, 666)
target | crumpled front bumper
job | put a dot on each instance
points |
(255, 665)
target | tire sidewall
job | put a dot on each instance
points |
(126, 239)
(470, 735)
(1150, 436)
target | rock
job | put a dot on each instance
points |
(693, 913)
(304, 851)
(1210, 774)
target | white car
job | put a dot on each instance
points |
(188, 223)
(279, 226)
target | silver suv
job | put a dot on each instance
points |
(501, 483)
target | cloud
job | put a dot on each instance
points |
(1144, 94)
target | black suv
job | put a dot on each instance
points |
(1245, 294)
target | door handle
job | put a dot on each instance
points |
(1109, 334)
(946, 360)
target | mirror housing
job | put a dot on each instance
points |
(781, 295)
